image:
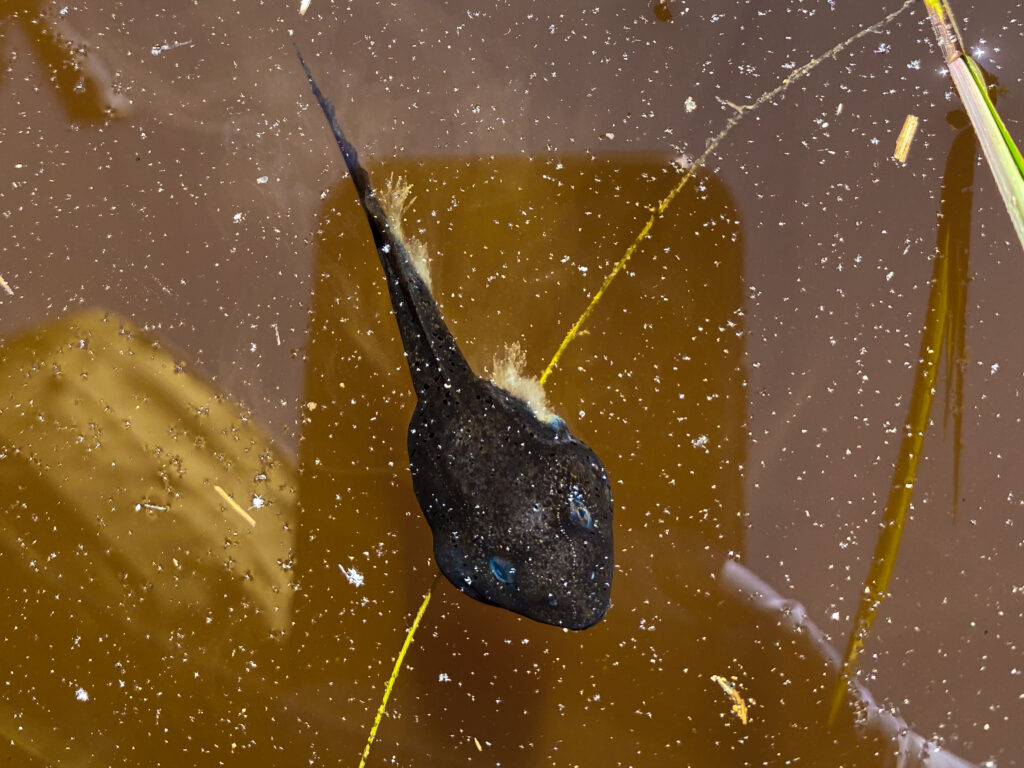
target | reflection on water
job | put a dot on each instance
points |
(139, 600)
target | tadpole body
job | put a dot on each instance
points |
(520, 510)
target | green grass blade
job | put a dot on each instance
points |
(1001, 153)
(979, 83)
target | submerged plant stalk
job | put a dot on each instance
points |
(397, 668)
(900, 493)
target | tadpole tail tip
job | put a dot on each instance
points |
(309, 76)
(325, 103)
(348, 151)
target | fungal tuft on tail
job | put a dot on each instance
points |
(395, 199)
(509, 374)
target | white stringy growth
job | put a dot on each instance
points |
(508, 374)
(509, 366)
(394, 201)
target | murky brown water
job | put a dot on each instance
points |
(196, 305)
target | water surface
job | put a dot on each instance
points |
(196, 303)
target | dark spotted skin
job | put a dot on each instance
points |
(520, 510)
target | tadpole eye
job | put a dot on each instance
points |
(578, 511)
(503, 570)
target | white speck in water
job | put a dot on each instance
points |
(834, 616)
(994, 368)
(582, 269)
(354, 576)
(443, 678)
(915, 64)
(257, 502)
(156, 50)
(609, 135)
(888, 276)
(700, 442)
(262, 179)
(238, 217)
(81, 694)
(690, 104)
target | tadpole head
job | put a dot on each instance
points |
(538, 541)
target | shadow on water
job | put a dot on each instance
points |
(954, 242)
(136, 600)
(158, 627)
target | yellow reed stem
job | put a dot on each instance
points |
(739, 112)
(398, 668)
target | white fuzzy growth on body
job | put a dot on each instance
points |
(509, 365)
(394, 201)
(508, 374)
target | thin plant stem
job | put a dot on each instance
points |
(900, 493)
(738, 113)
(398, 668)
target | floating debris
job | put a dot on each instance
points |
(739, 706)
(354, 577)
(156, 50)
(234, 505)
(906, 137)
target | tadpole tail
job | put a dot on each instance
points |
(367, 196)
(433, 356)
